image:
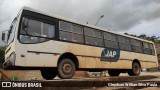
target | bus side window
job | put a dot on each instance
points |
(88, 31)
(152, 49)
(110, 40)
(77, 29)
(48, 30)
(34, 27)
(98, 40)
(78, 38)
(89, 36)
(64, 35)
(136, 46)
(65, 26)
(93, 37)
(124, 43)
(97, 34)
(71, 32)
(121, 41)
(36, 31)
(89, 40)
(77, 33)
(31, 32)
(128, 44)
(139, 46)
(146, 49)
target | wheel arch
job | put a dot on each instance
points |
(137, 61)
(70, 56)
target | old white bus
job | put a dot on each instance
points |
(59, 46)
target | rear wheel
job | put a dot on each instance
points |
(136, 69)
(49, 74)
(66, 68)
(114, 72)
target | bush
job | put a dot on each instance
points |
(2, 54)
(159, 60)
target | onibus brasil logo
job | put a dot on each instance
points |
(109, 54)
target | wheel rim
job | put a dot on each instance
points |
(67, 68)
(136, 68)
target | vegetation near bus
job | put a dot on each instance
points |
(2, 53)
(144, 36)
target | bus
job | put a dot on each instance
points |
(59, 46)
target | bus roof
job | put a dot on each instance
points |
(87, 25)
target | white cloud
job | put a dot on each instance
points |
(149, 28)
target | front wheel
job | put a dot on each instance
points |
(66, 68)
(49, 74)
(136, 69)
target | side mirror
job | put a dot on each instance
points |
(3, 36)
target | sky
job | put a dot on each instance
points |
(124, 16)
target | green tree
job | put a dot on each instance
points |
(144, 36)
(2, 53)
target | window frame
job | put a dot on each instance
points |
(149, 48)
(93, 36)
(135, 45)
(110, 40)
(152, 49)
(71, 31)
(119, 39)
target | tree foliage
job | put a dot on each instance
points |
(2, 54)
(144, 36)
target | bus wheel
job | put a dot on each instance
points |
(136, 69)
(48, 74)
(66, 69)
(114, 72)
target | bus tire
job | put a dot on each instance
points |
(48, 74)
(66, 68)
(136, 69)
(114, 72)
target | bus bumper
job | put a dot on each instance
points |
(10, 62)
(6, 65)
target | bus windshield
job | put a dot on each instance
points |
(11, 31)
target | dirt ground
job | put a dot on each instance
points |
(157, 74)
